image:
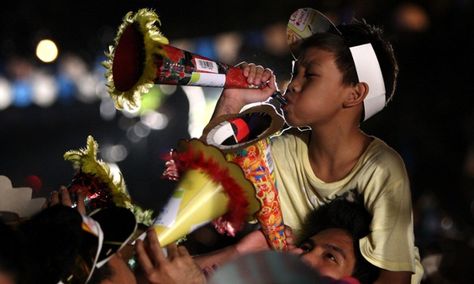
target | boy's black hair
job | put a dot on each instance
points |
(352, 217)
(353, 34)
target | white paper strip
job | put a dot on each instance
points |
(368, 71)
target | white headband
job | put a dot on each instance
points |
(368, 71)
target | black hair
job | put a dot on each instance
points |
(353, 218)
(53, 239)
(12, 254)
(353, 34)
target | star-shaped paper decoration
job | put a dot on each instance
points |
(18, 199)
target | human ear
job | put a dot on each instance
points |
(357, 94)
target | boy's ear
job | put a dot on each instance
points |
(357, 94)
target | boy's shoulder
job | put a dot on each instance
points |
(384, 156)
(291, 142)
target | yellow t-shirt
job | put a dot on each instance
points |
(379, 176)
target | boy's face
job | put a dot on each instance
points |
(331, 252)
(316, 92)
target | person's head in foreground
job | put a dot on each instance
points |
(328, 86)
(62, 248)
(12, 256)
(266, 267)
(331, 241)
(53, 239)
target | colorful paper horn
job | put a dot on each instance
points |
(244, 137)
(209, 188)
(256, 162)
(141, 57)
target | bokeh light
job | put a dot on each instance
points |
(47, 51)
(115, 153)
(151, 100)
(45, 90)
(22, 93)
(107, 109)
(5, 94)
(34, 182)
(154, 120)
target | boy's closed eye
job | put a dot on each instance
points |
(311, 74)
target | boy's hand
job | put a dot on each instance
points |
(178, 267)
(232, 100)
(256, 75)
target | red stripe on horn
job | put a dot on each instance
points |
(242, 127)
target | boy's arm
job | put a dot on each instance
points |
(394, 277)
(390, 245)
(232, 100)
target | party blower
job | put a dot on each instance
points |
(142, 57)
(210, 187)
(100, 187)
(244, 137)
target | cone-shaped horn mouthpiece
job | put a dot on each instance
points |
(236, 131)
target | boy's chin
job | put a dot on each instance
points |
(290, 121)
(297, 125)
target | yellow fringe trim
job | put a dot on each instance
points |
(153, 39)
(86, 160)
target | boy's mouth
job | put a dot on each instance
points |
(280, 98)
(288, 102)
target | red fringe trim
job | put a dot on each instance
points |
(238, 203)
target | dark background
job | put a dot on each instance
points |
(430, 122)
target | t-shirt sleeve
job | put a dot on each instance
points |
(390, 245)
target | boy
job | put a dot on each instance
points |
(313, 167)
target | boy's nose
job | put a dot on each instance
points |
(293, 87)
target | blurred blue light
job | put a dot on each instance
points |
(66, 89)
(205, 47)
(255, 39)
(22, 93)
